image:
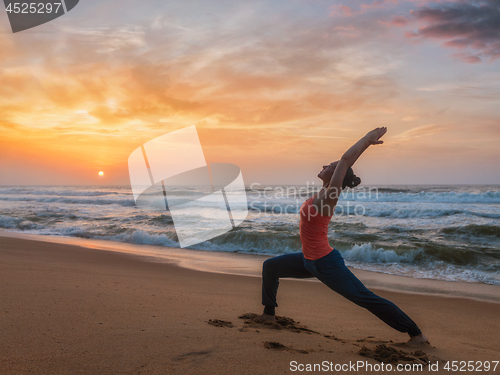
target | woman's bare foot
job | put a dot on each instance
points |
(417, 339)
(266, 318)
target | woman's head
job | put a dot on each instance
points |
(350, 179)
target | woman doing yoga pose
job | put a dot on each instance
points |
(319, 259)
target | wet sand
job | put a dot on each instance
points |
(69, 309)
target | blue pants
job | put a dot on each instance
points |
(332, 271)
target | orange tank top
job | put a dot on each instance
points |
(313, 231)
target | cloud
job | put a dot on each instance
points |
(419, 132)
(399, 21)
(105, 40)
(378, 4)
(346, 11)
(472, 27)
(341, 10)
(481, 92)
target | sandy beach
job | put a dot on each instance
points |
(69, 309)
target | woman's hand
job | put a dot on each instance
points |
(374, 136)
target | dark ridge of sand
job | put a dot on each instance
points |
(220, 323)
(282, 322)
(278, 346)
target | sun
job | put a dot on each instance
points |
(101, 173)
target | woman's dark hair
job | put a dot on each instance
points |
(350, 179)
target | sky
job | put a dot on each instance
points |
(279, 88)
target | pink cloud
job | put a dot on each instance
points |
(462, 25)
(378, 4)
(399, 21)
(341, 10)
(467, 57)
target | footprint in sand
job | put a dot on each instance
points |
(388, 354)
(381, 353)
(220, 323)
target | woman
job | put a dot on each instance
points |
(318, 259)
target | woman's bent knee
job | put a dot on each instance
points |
(267, 266)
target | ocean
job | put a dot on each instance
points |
(444, 232)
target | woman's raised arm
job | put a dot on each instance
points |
(330, 196)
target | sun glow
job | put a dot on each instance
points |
(101, 173)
